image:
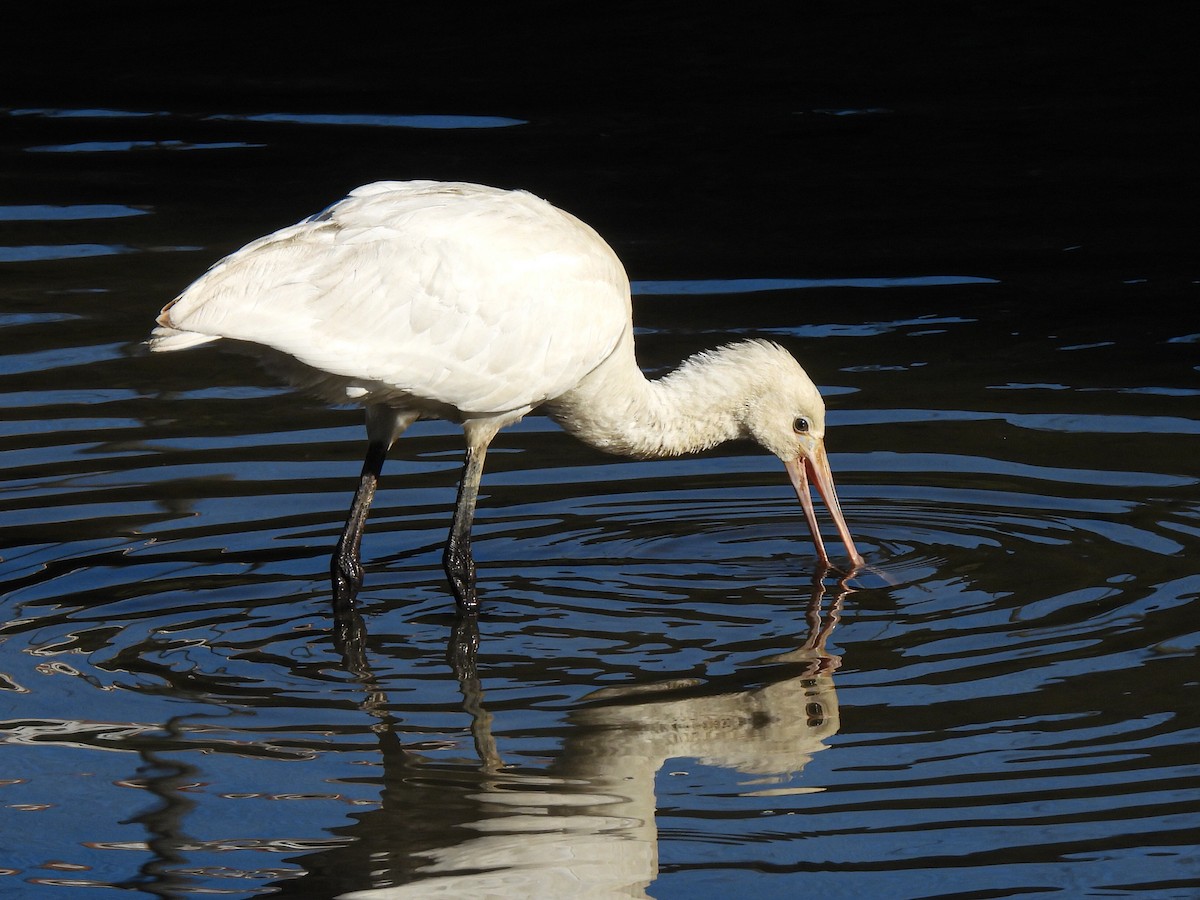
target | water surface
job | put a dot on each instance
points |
(668, 699)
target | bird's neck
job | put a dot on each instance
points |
(618, 410)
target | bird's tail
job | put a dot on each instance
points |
(164, 338)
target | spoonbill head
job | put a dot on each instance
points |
(786, 416)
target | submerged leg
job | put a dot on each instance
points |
(345, 568)
(457, 561)
(384, 425)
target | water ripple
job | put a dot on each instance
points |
(665, 691)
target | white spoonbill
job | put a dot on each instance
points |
(432, 300)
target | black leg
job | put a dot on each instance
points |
(345, 568)
(457, 561)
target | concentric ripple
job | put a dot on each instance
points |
(664, 696)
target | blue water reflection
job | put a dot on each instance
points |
(664, 697)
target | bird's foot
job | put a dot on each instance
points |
(465, 597)
(460, 569)
(346, 575)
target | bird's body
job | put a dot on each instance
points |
(451, 298)
(477, 305)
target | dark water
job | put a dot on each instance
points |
(976, 231)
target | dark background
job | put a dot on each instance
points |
(995, 108)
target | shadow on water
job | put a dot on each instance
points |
(586, 825)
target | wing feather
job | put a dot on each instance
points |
(483, 300)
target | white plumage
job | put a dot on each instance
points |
(445, 300)
(480, 300)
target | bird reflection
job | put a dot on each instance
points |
(165, 873)
(586, 825)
